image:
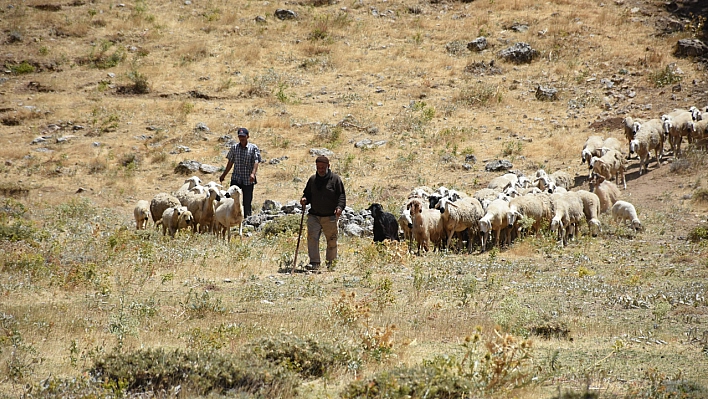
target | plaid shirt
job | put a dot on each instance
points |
(243, 160)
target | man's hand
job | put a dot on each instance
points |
(337, 212)
(303, 201)
(253, 177)
(221, 179)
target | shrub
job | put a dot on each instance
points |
(287, 224)
(664, 77)
(305, 356)
(198, 372)
(505, 364)
(698, 233)
(22, 68)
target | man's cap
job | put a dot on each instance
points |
(322, 159)
(242, 131)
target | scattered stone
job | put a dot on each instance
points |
(260, 19)
(208, 169)
(202, 127)
(316, 152)
(518, 27)
(187, 167)
(482, 68)
(180, 149)
(80, 190)
(546, 93)
(276, 161)
(470, 158)
(691, 48)
(65, 139)
(282, 14)
(498, 166)
(519, 53)
(40, 139)
(77, 127)
(477, 44)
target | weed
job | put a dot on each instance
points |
(698, 234)
(200, 305)
(664, 77)
(140, 82)
(21, 69)
(288, 224)
(514, 317)
(212, 339)
(478, 94)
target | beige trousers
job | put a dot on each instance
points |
(316, 226)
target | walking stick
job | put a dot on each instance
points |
(297, 247)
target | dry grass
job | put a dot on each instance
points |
(78, 283)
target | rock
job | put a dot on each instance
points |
(519, 53)
(40, 139)
(477, 44)
(353, 230)
(291, 207)
(65, 139)
(366, 143)
(260, 19)
(316, 152)
(691, 48)
(276, 161)
(180, 149)
(498, 166)
(285, 14)
(546, 93)
(187, 167)
(271, 206)
(202, 127)
(470, 158)
(208, 169)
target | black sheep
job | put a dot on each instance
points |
(385, 224)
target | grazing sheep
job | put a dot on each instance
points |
(500, 183)
(462, 215)
(385, 224)
(158, 205)
(591, 148)
(175, 219)
(701, 129)
(550, 183)
(495, 220)
(536, 207)
(611, 143)
(563, 179)
(591, 209)
(609, 165)
(405, 222)
(606, 191)
(420, 192)
(141, 214)
(623, 211)
(567, 215)
(650, 136)
(229, 213)
(679, 124)
(485, 196)
(427, 225)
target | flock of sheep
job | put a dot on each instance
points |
(203, 208)
(513, 205)
(510, 206)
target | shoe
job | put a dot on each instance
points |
(312, 267)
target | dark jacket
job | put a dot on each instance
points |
(325, 194)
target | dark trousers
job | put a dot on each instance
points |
(247, 198)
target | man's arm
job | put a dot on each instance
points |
(226, 170)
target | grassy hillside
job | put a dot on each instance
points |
(100, 101)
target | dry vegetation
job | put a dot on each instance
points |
(91, 308)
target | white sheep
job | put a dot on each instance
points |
(427, 225)
(535, 207)
(202, 208)
(141, 214)
(609, 165)
(591, 209)
(485, 196)
(591, 148)
(701, 129)
(650, 136)
(405, 223)
(175, 219)
(631, 126)
(496, 219)
(550, 183)
(182, 192)
(420, 192)
(567, 215)
(229, 214)
(611, 143)
(606, 191)
(158, 205)
(679, 124)
(501, 183)
(563, 179)
(623, 211)
(459, 216)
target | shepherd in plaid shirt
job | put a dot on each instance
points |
(244, 157)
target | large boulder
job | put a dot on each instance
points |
(519, 53)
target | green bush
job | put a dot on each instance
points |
(307, 357)
(197, 372)
(287, 224)
(22, 68)
(698, 233)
